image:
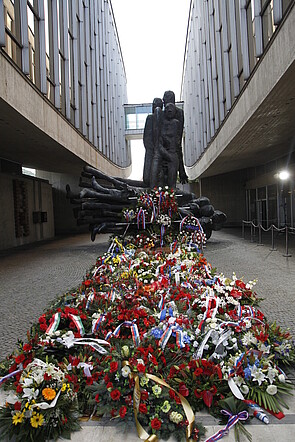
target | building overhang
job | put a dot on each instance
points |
(260, 126)
(34, 134)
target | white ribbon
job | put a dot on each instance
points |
(70, 341)
(201, 348)
(45, 405)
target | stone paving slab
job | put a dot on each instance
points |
(32, 277)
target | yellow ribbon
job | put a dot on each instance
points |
(142, 434)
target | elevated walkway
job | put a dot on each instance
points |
(135, 116)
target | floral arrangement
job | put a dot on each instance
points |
(151, 336)
(41, 406)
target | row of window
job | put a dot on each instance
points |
(71, 52)
(225, 40)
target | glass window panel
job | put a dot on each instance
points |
(131, 121)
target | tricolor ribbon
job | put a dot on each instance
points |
(90, 299)
(134, 332)
(96, 324)
(78, 323)
(233, 420)
(55, 320)
(142, 216)
(166, 336)
(10, 375)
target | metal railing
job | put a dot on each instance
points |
(253, 227)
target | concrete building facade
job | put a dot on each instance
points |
(62, 90)
(239, 104)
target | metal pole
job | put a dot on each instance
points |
(259, 236)
(272, 239)
(243, 230)
(287, 254)
(251, 233)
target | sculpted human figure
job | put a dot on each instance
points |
(169, 97)
(150, 136)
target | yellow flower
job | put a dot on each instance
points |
(64, 386)
(37, 420)
(48, 394)
(17, 418)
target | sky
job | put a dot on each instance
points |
(152, 36)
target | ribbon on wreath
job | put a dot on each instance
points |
(55, 320)
(142, 434)
(134, 331)
(233, 420)
(166, 336)
(10, 375)
(96, 324)
(54, 323)
(90, 299)
(142, 216)
(96, 344)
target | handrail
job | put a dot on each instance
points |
(273, 228)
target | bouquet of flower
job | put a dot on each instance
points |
(43, 405)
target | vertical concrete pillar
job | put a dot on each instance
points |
(24, 38)
(2, 26)
(244, 39)
(54, 52)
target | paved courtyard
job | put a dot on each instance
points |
(32, 277)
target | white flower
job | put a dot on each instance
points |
(249, 339)
(272, 390)
(125, 371)
(257, 375)
(27, 382)
(244, 389)
(30, 393)
(282, 378)
(271, 374)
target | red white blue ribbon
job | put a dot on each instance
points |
(96, 324)
(142, 216)
(233, 419)
(90, 299)
(10, 375)
(134, 332)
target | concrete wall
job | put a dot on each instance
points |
(227, 193)
(64, 219)
(39, 194)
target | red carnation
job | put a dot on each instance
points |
(123, 411)
(47, 377)
(113, 366)
(142, 408)
(19, 389)
(17, 406)
(20, 358)
(141, 368)
(144, 395)
(115, 395)
(43, 326)
(156, 424)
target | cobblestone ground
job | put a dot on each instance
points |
(227, 251)
(31, 278)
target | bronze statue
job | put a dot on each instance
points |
(150, 136)
(163, 143)
(169, 97)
